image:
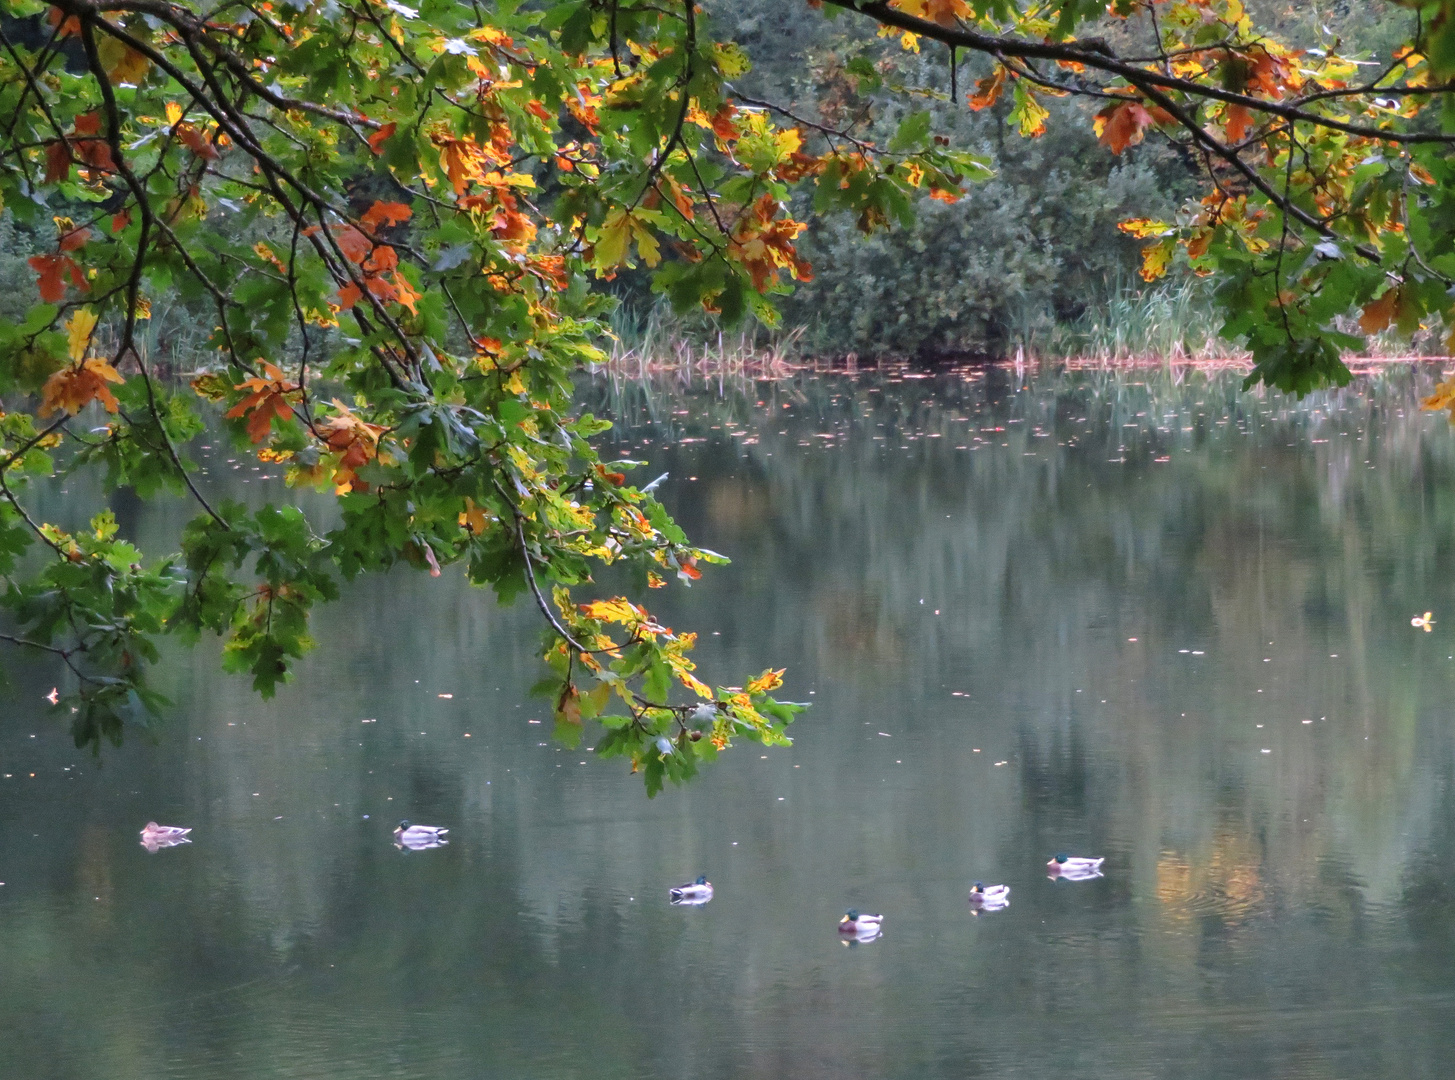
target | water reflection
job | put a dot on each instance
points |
(1143, 616)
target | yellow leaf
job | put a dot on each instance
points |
(123, 64)
(1442, 398)
(174, 112)
(1156, 258)
(78, 332)
(1142, 228)
(611, 241)
(647, 246)
(473, 517)
(769, 680)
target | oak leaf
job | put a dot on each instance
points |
(380, 137)
(1237, 122)
(473, 517)
(73, 388)
(1156, 259)
(987, 90)
(1122, 125)
(71, 239)
(79, 328)
(1379, 313)
(54, 270)
(385, 213)
(268, 398)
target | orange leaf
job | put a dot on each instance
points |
(385, 213)
(74, 388)
(354, 244)
(987, 90)
(1122, 125)
(380, 137)
(349, 295)
(722, 122)
(120, 221)
(384, 258)
(63, 24)
(1378, 314)
(1237, 121)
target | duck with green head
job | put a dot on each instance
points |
(855, 922)
(1074, 868)
(989, 897)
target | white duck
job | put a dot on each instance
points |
(1074, 868)
(694, 892)
(862, 927)
(989, 897)
(418, 837)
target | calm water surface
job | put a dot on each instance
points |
(1141, 616)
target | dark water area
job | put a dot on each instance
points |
(1142, 615)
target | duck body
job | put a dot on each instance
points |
(694, 892)
(1074, 868)
(417, 837)
(155, 837)
(989, 897)
(856, 923)
(165, 832)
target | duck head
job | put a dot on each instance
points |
(402, 826)
(702, 879)
(977, 887)
(1061, 857)
(851, 916)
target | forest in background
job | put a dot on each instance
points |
(1028, 260)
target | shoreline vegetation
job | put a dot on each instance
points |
(1169, 326)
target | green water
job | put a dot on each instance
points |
(1137, 616)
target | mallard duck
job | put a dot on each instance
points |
(989, 896)
(1074, 868)
(855, 923)
(694, 892)
(155, 837)
(419, 836)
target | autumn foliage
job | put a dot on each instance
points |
(392, 223)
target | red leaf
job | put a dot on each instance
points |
(193, 139)
(96, 154)
(63, 24)
(57, 162)
(75, 238)
(53, 269)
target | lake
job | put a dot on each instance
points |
(1139, 615)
